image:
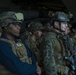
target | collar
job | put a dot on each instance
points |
(4, 36)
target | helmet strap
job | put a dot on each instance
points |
(59, 29)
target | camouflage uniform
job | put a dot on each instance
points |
(54, 49)
(70, 53)
(33, 44)
(74, 43)
(73, 40)
(73, 37)
(52, 54)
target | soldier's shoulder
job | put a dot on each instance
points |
(50, 35)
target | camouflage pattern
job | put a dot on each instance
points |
(73, 40)
(60, 16)
(34, 26)
(33, 46)
(73, 35)
(10, 17)
(33, 43)
(70, 47)
(5, 19)
(53, 50)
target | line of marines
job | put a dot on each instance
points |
(44, 49)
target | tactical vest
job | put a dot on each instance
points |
(20, 51)
(33, 47)
(59, 52)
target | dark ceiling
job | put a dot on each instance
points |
(40, 4)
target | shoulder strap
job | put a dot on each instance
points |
(19, 50)
(8, 41)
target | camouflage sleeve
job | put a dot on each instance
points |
(74, 43)
(48, 56)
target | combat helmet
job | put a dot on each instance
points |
(60, 16)
(34, 26)
(10, 17)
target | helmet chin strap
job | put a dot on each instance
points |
(59, 29)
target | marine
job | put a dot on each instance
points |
(53, 46)
(33, 41)
(16, 58)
